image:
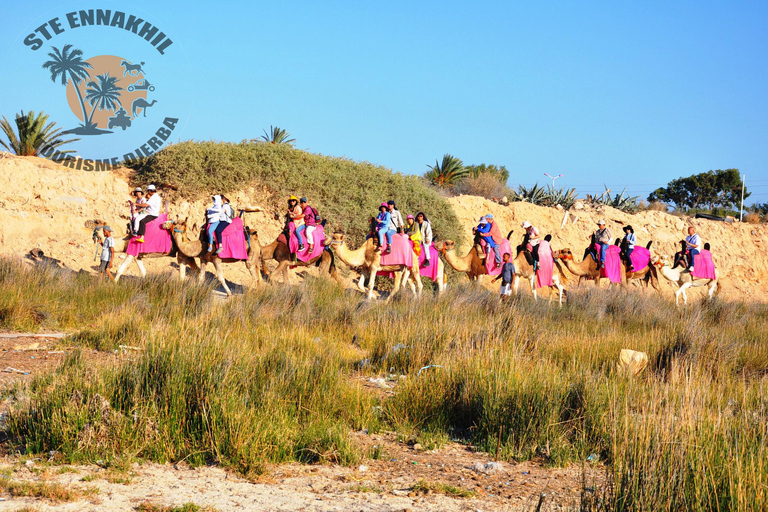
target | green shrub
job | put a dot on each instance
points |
(345, 192)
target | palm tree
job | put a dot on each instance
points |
(277, 136)
(70, 65)
(34, 136)
(448, 173)
(105, 94)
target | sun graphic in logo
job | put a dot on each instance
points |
(109, 92)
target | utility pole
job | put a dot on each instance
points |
(741, 211)
(553, 178)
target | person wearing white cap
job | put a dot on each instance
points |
(154, 202)
(533, 238)
(603, 239)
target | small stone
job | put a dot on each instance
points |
(363, 468)
(578, 205)
(418, 447)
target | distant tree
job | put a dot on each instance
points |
(708, 190)
(277, 136)
(33, 136)
(501, 172)
(448, 173)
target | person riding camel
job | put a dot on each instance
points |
(425, 226)
(213, 215)
(533, 239)
(152, 211)
(295, 215)
(693, 245)
(310, 220)
(629, 242)
(396, 218)
(137, 208)
(603, 239)
(225, 219)
(495, 234)
(483, 229)
(414, 233)
(383, 221)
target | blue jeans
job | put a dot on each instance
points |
(603, 252)
(299, 231)
(219, 230)
(691, 254)
(629, 254)
(496, 252)
(382, 233)
(211, 229)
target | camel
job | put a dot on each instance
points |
(683, 279)
(524, 270)
(367, 258)
(587, 268)
(279, 251)
(195, 249)
(121, 244)
(140, 103)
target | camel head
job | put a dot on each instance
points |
(659, 261)
(337, 239)
(564, 254)
(448, 245)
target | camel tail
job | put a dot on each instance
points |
(649, 244)
(509, 235)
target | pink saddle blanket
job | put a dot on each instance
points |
(612, 267)
(402, 251)
(156, 239)
(318, 239)
(703, 265)
(430, 270)
(490, 261)
(546, 265)
(641, 258)
(233, 241)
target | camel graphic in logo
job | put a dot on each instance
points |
(100, 90)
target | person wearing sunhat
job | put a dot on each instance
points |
(629, 243)
(414, 233)
(295, 214)
(137, 208)
(107, 253)
(383, 220)
(533, 239)
(152, 211)
(603, 239)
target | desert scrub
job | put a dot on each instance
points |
(345, 192)
(275, 375)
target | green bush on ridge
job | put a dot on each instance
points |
(345, 192)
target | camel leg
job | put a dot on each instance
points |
(533, 287)
(516, 282)
(220, 275)
(143, 270)
(361, 283)
(254, 270)
(182, 270)
(398, 283)
(371, 282)
(201, 276)
(417, 282)
(122, 267)
(282, 268)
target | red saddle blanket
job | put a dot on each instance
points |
(490, 261)
(703, 266)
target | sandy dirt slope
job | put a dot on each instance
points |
(738, 249)
(46, 205)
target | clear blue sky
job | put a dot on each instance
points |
(621, 93)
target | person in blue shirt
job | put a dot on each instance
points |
(629, 242)
(382, 227)
(484, 228)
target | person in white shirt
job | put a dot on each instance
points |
(693, 244)
(152, 211)
(225, 219)
(533, 239)
(137, 209)
(395, 217)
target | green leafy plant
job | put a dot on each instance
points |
(447, 173)
(534, 195)
(277, 136)
(562, 196)
(33, 137)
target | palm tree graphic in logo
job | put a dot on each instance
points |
(115, 98)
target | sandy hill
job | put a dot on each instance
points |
(45, 205)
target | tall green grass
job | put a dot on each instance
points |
(345, 192)
(275, 375)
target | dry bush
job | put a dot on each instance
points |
(484, 184)
(752, 218)
(656, 206)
